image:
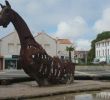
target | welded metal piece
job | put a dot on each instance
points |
(33, 58)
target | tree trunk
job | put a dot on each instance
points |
(70, 56)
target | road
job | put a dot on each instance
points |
(21, 73)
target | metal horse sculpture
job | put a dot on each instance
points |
(33, 58)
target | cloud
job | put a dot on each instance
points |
(103, 24)
(41, 6)
(33, 8)
(83, 44)
(59, 17)
(71, 29)
(74, 30)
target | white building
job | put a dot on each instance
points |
(102, 50)
(10, 48)
(61, 49)
(47, 42)
(54, 47)
(10, 45)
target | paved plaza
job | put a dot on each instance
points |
(21, 73)
(30, 89)
(23, 90)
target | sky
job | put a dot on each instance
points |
(77, 20)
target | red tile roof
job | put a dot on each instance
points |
(60, 41)
(64, 41)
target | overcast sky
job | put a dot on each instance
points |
(78, 20)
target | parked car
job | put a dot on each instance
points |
(99, 61)
(95, 61)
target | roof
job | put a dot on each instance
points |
(6, 35)
(40, 33)
(78, 52)
(60, 41)
(104, 40)
(64, 41)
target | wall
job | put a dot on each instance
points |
(102, 50)
(61, 48)
(48, 43)
(12, 38)
(92, 68)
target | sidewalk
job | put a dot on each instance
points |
(13, 76)
(30, 89)
(21, 73)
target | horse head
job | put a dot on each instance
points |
(5, 14)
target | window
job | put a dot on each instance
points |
(102, 43)
(10, 48)
(10, 64)
(103, 52)
(99, 52)
(108, 43)
(59, 52)
(99, 44)
(62, 57)
(46, 46)
(67, 58)
(108, 51)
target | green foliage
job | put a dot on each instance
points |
(101, 36)
(70, 49)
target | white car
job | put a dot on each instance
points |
(99, 61)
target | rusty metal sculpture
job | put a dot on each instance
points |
(33, 58)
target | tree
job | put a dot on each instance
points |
(101, 36)
(70, 49)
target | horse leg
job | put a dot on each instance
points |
(70, 78)
(42, 82)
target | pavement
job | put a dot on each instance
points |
(13, 76)
(21, 73)
(30, 89)
(82, 74)
(12, 73)
(96, 73)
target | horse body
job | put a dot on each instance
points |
(33, 58)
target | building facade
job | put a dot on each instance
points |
(10, 48)
(102, 51)
(81, 57)
(61, 49)
(47, 42)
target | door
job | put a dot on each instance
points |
(1, 63)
